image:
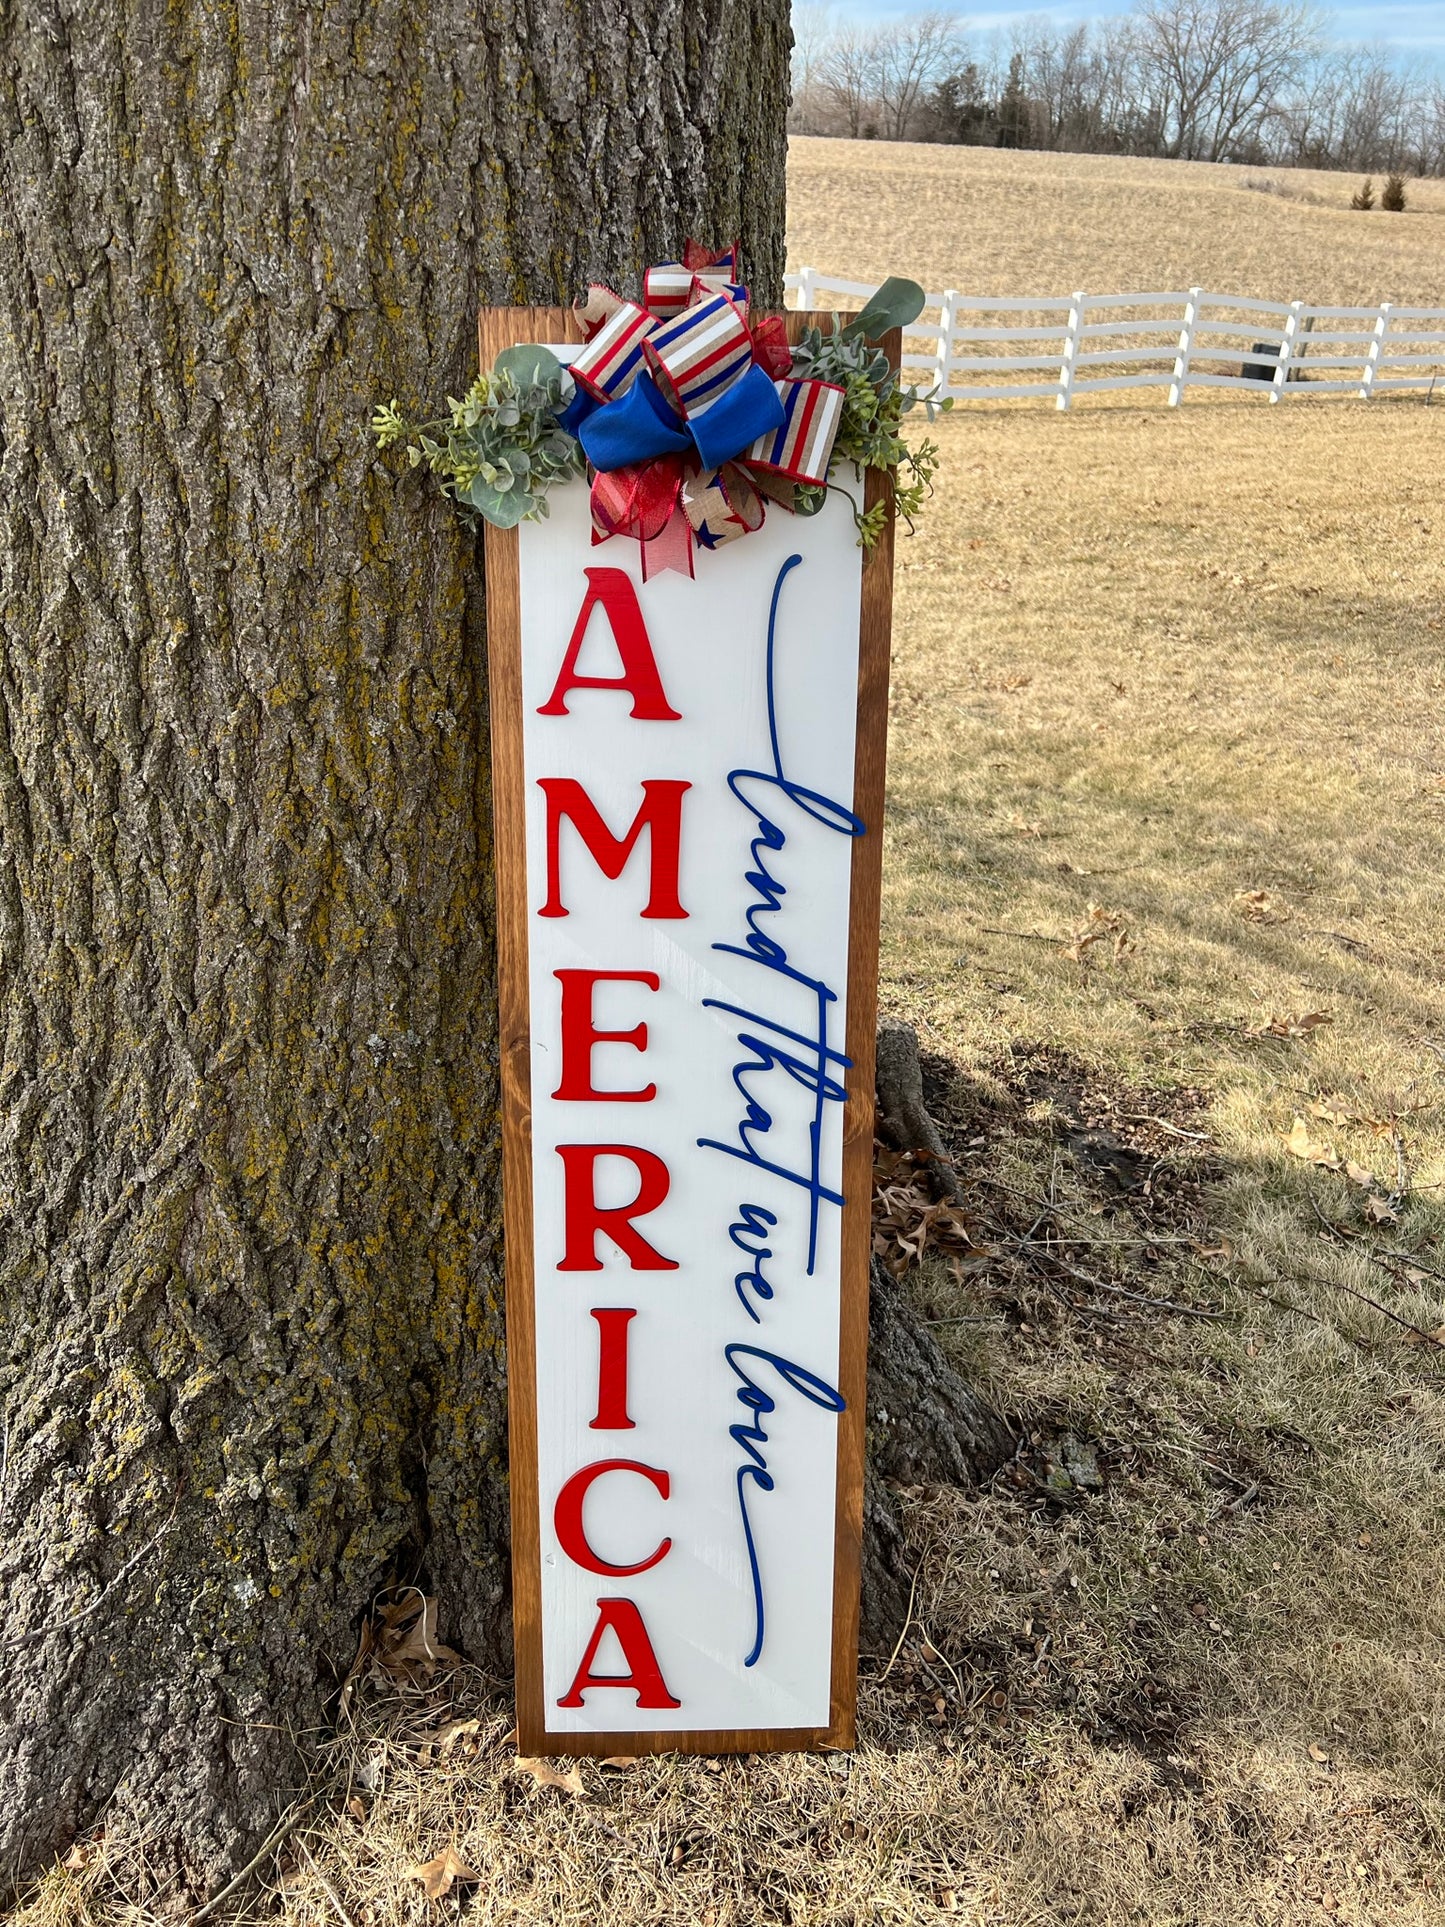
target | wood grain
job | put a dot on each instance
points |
(500, 328)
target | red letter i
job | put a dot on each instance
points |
(612, 1371)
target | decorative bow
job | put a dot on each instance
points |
(689, 415)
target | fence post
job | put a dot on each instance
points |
(947, 318)
(1077, 303)
(1286, 351)
(1186, 347)
(807, 288)
(1372, 359)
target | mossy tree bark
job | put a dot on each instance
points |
(250, 1323)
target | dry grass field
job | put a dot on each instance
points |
(991, 222)
(1164, 899)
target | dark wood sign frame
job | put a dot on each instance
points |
(500, 328)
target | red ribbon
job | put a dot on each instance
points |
(665, 502)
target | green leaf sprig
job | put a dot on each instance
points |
(874, 404)
(501, 447)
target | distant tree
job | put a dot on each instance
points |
(813, 30)
(959, 109)
(1392, 197)
(913, 60)
(1365, 199)
(1247, 80)
(850, 78)
(1015, 114)
(1218, 68)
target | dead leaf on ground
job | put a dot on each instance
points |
(1290, 1026)
(545, 1774)
(1261, 906)
(400, 1639)
(1101, 926)
(907, 1220)
(452, 1732)
(621, 1762)
(1318, 1753)
(407, 1643)
(1380, 1211)
(1436, 1337)
(1309, 1150)
(440, 1875)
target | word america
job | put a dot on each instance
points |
(808, 1060)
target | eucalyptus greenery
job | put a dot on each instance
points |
(501, 448)
(874, 404)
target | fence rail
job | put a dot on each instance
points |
(1175, 340)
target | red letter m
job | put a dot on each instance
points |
(660, 812)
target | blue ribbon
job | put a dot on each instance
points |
(644, 425)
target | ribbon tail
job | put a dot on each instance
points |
(670, 549)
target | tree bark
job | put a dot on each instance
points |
(926, 1424)
(250, 1290)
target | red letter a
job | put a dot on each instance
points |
(614, 591)
(644, 1675)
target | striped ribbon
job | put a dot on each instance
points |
(750, 430)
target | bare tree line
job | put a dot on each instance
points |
(1257, 81)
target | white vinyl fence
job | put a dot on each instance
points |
(985, 348)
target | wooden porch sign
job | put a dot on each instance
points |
(688, 794)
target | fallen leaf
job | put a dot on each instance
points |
(1102, 925)
(1318, 1753)
(620, 1762)
(545, 1774)
(1261, 906)
(1357, 1174)
(80, 1857)
(907, 1222)
(1301, 1145)
(1288, 1026)
(453, 1731)
(407, 1643)
(1381, 1211)
(438, 1876)
(1436, 1337)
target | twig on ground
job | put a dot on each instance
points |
(1402, 1173)
(1141, 1117)
(285, 1826)
(1302, 1311)
(1024, 936)
(907, 1621)
(1350, 943)
(1042, 1251)
(1376, 1250)
(331, 1894)
(1338, 1284)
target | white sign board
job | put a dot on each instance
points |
(680, 837)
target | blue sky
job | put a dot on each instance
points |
(1414, 26)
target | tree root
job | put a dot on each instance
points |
(926, 1426)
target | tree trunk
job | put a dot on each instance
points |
(250, 1290)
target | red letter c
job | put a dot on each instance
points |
(567, 1516)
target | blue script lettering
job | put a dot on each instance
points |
(751, 1437)
(770, 1048)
